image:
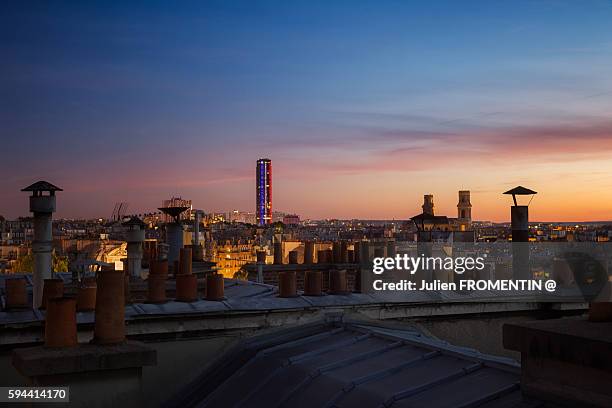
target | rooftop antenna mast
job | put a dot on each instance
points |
(119, 211)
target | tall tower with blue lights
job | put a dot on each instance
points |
(263, 205)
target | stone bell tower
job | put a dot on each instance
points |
(428, 204)
(464, 209)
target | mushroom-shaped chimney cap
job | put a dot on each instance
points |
(174, 212)
(134, 221)
(42, 186)
(520, 190)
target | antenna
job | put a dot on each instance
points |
(119, 211)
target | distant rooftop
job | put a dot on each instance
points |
(134, 221)
(435, 219)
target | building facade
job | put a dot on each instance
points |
(291, 219)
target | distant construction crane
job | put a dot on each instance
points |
(119, 211)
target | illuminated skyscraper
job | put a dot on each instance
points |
(263, 204)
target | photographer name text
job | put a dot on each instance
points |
(467, 284)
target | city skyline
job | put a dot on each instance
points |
(363, 108)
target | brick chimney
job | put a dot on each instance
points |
(313, 283)
(16, 293)
(52, 288)
(186, 288)
(214, 287)
(287, 284)
(308, 252)
(109, 327)
(60, 322)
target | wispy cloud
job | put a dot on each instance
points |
(415, 150)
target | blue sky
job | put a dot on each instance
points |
(136, 101)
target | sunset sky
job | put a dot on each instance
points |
(362, 106)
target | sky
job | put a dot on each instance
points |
(362, 106)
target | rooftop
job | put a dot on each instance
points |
(134, 221)
(336, 364)
(245, 298)
(436, 219)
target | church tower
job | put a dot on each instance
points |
(464, 209)
(428, 204)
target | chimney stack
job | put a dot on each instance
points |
(198, 250)
(278, 253)
(308, 253)
(156, 289)
(357, 252)
(135, 236)
(379, 252)
(156, 283)
(86, 298)
(60, 322)
(174, 231)
(322, 256)
(337, 282)
(519, 216)
(214, 287)
(336, 249)
(186, 288)
(364, 270)
(127, 293)
(364, 252)
(185, 261)
(287, 284)
(293, 257)
(109, 325)
(343, 252)
(174, 239)
(312, 283)
(16, 293)
(42, 206)
(52, 288)
(261, 261)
